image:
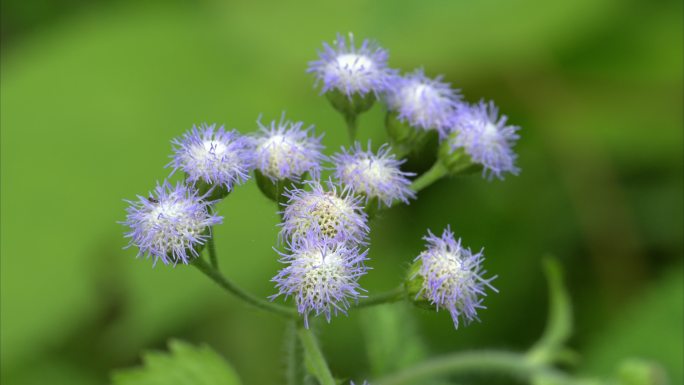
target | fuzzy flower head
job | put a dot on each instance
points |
(351, 70)
(215, 157)
(170, 224)
(485, 136)
(452, 277)
(424, 103)
(286, 150)
(321, 277)
(374, 175)
(333, 213)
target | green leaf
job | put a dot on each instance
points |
(392, 339)
(184, 365)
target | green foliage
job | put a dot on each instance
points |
(90, 101)
(183, 365)
(392, 338)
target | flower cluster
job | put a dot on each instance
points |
(350, 70)
(486, 138)
(451, 277)
(170, 224)
(286, 150)
(418, 104)
(427, 104)
(215, 157)
(325, 220)
(322, 277)
(374, 175)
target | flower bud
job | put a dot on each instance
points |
(171, 224)
(418, 146)
(350, 105)
(456, 160)
(449, 276)
(414, 286)
(214, 160)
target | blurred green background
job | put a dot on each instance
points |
(93, 92)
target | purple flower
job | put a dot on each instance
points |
(217, 157)
(334, 214)
(352, 70)
(486, 137)
(169, 224)
(452, 277)
(424, 103)
(285, 150)
(321, 277)
(374, 175)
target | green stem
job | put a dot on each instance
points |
(211, 246)
(435, 173)
(458, 363)
(315, 359)
(550, 346)
(393, 295)
(294, 374)
(351, 126)
(249, 298)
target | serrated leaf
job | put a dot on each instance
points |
(185, 364)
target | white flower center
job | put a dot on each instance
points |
(353, 62)
(367, 175)
(324, 274)
(447, 269)
(209, 148)
(282, 155)
(419, 98)
(171, 225)
(351, 71)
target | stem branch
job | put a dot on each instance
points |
(458, 363)
(247, 297)
(435, 173)
(394, 295)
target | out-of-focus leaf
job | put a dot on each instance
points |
(183, 365)
(392, 339)
(650, 329)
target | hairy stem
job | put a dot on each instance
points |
(435, 173)
(512, 364)
(294, 374)
(211, 246)
(393, 295)
(351, 126)
(314, 358)
(247, 297)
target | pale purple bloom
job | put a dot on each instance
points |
(453, 277)
(215, 157)
(424, 103)
(373, 175)
(331, 212)
(486, 137)
(286, 150)
(321, 277)
(351, 70)
(170, 224)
